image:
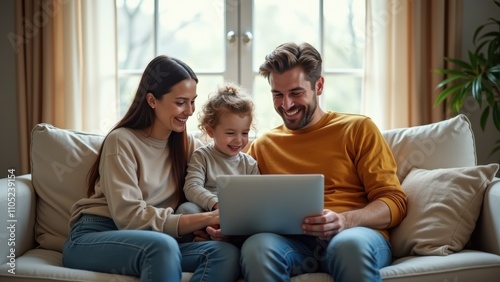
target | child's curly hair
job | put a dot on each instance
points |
(229, 98)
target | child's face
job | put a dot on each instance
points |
(231, 134)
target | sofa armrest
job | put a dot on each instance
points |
(17, 233)
(486, 236)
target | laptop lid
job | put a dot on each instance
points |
(277, 203)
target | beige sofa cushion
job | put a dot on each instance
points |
(60, 160)
(443, 207)
(444, 144)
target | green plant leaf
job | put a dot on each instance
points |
(491, 78)
(451, 72)
(458, 100)
(448, 80)
(495, 69)
(446, 93)
(488, 90)
(484, 117)
(479, 48)
(477, 88)
(459, 63)
(493, 34)
(493, 47)
(476, 33)
(496, 116)
(473, 60)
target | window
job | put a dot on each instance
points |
(228, 39)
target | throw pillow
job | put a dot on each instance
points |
(443, 207)
(60, 161)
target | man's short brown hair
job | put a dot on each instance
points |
(289, 55)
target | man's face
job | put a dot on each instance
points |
(294, 99)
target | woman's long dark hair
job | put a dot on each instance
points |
(161, 74)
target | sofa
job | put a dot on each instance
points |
(451, 231)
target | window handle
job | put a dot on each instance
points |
(231, 37)
(247, 37)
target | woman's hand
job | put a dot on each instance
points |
(192, 223)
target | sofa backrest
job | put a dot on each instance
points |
(446, 144)
(61, 159)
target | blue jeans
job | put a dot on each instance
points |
(96, 244)
(189, 208)
(355, 254)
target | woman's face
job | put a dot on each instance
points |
(173, 109)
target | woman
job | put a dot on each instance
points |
(127, 224)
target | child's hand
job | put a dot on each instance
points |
(200, 236)
(215, 233)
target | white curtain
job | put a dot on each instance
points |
(90, 65)
(386, 58)
(405, 41)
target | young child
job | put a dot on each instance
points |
(227, 118)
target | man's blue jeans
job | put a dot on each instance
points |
(355, 254)
(96, 244)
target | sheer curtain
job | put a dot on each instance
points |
(406, 41)
(66, 66)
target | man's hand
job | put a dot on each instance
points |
(324, 226)
(375, 215)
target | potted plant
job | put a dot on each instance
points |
(479, 76)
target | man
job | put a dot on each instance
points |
(363, 197)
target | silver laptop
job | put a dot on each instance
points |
(277, 203)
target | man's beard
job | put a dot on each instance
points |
(306, 117)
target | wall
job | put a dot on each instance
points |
(9, 150)
(476, 12)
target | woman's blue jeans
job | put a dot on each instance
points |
(355, 254)
(96, 244)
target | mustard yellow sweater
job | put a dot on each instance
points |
(348, 150)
